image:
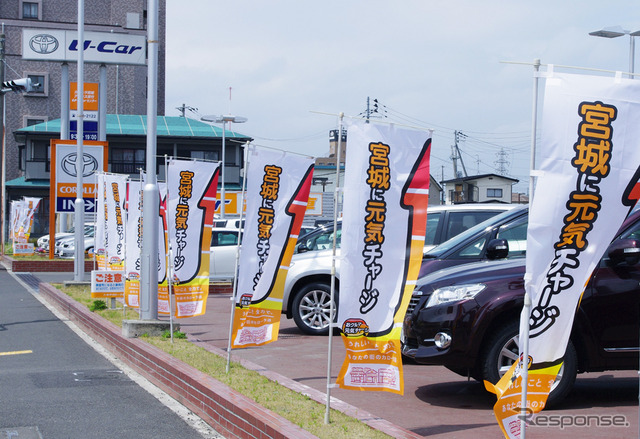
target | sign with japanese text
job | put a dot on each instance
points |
(107, 283)
(384, 216)
(191, 198)
(90, 111)
(277, 191)
(115, 215)
(588, 174)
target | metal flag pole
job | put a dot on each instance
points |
(234, 288)
(327, 418)
(168, 255)
(79, 201)
(526, 310)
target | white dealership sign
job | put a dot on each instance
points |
(99, 47)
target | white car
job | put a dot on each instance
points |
(307, 297)
(224, 247)
(43, 241)
(66, 247)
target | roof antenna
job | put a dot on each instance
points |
(230, 101)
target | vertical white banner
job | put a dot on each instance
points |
(385, 213)
(191, 193)
(278, 186)
(589, 158)
(101, 222)
(115, 192)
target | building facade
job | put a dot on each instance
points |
(126, 84)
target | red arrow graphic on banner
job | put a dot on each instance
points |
(208, 204)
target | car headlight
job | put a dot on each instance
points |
(454, 293)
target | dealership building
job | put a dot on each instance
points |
(41, 44)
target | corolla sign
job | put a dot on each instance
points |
(67, 168)
(99, 47)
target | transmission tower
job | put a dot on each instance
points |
(502, 163)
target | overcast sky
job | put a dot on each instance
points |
(429, 64)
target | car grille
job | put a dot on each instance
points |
(414, 302)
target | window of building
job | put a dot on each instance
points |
(494, 193)
(38, 84)
(31, 9)
(127, 161)
(205, 155)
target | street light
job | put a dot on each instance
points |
(223, 120)
(615, 32)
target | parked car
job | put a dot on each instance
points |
(43, 242)
(466, 317)
(224, 247)
(234, 223)
(66, 247)
(307, 295)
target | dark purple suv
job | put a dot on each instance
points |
(466, 317)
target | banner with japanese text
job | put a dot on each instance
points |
(101, 222)
(278, 186)
(164, 303)
(132, 262)
(21, 221)
(134, 247)
(191, 200)
(589, 168)
(385, 217)
(115, 198)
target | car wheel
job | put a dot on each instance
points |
(503, 349)
(311, 308)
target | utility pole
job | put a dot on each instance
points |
(455, 154)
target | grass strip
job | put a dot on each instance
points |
(295, 407)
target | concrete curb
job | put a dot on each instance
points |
(226, 410)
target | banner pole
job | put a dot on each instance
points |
(168, 255)
(526, 310)
(234, 288)
(327, 418)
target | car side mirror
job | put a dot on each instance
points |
(302, 247)
(497, 249)
(624, 251)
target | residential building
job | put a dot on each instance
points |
(483, 188)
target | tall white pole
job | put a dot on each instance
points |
(632, 55)
(526, 310)
(150, 193)
(222, 192)
(327, 417)
(79, 202)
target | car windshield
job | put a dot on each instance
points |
(439, 250)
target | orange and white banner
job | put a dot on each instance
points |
(589, 160)
(385, 217)
(277, 192)
(115, 214)
(101, 222)
(191, 199)
(133, 264)
(134, 247)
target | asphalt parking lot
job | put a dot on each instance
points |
(437, 403)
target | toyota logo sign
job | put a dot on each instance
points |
(43, 43)
(70, 164)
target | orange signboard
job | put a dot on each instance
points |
(90, 96)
